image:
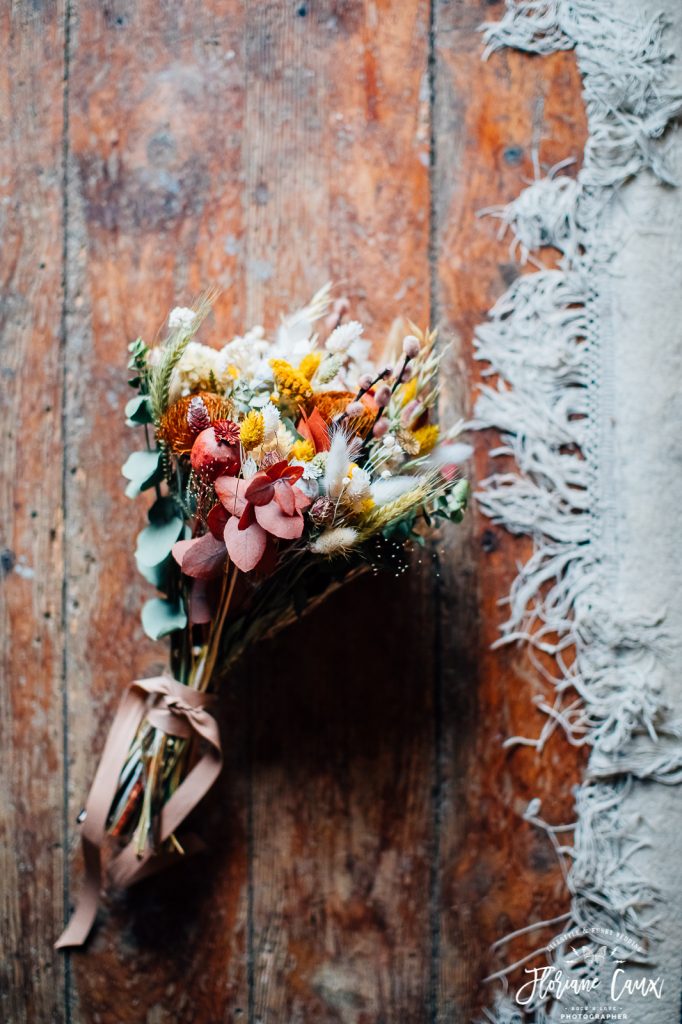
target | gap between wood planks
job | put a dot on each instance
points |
(68, 977)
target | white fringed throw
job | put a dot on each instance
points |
(589, 358)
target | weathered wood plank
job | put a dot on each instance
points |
(336, 144)
(31, 797)
(156, 102)
(496, 872)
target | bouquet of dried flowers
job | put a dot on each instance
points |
(282, 466)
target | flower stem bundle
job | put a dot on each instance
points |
(282, 467)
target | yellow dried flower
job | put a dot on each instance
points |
(408, 391)
(252, 430)
(427, 437)
(309, 364)
(291, 384)
(366, 506)
(302, 450)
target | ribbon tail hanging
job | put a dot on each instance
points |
(177, 710)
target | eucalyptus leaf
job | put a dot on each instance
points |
(459, 495)
(137, 410)
(157, 575)
(160, 617)
(155, 542)
(143, 469)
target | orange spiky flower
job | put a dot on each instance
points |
(178, 431)
(332, 403)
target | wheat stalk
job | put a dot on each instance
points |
(160, 377)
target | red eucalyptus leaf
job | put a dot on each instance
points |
(230, 491)
(179, 550)
(278, 470)
(284, 496)
(292, 474)
(215, 520)
(259, 490)
(204, 557)
(248, 517)
(272, 519)
(302, 500)
(245, 547)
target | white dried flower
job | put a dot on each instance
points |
(319, 461)
(271, 420)
(181, 317)
(194, 370)
(390, 488)
(337, 541)
(284, 439)
(343, 337)
(249, 468)
(446, 453)
(357, 489)
(308, 482)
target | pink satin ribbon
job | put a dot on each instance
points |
(178, 711)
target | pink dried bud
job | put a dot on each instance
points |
(380, 428)
(387, 372)
(197, 415)
(270, 459)
(355, 409)
(382, 395)
(365, 382)
(410, 346)
(322, 511)
(406, 374)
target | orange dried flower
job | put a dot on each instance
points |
(332, 403)
(175, 430)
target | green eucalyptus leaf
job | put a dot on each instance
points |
(160, 617)
(155, 542)
(459, 494)
(157, 575)
(137, 410)
(143, 469)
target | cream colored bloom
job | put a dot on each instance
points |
(337, 541)
(181, 317)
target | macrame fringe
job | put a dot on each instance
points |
(547, 349)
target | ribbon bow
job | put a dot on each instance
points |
(178, 711)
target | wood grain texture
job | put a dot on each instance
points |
(31, 797)
(366, 840)
(497, 873)
(155, 214)
(336, 150)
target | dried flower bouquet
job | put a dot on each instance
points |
(283, 466)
